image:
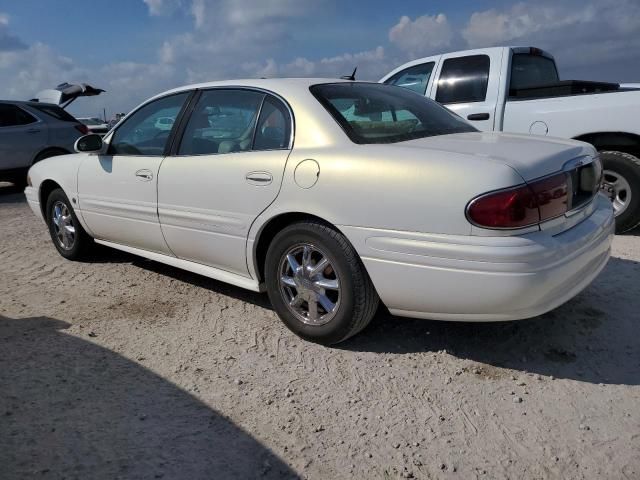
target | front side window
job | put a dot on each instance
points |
(376, 113)
(147, 130)
(414, 78)
(223, 121)
(13, 116)
(463, 80)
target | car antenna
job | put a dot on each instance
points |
(351, 77)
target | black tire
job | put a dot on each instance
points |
(74, 249)
(626, 166)
(358, 300)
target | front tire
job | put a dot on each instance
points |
(317, 284)
(622, 185)
(68, 236)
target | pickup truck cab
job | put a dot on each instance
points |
(518, 89)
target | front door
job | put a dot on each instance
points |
(227, 169)
(117, 191)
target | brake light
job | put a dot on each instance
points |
(521, 206)
(83, 129)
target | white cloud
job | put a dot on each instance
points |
(422, 35)
(577, 33)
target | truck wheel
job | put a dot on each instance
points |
(317, 284)
(622, 185)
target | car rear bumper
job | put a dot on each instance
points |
(475, 278)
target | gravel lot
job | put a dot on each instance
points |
(125, 368)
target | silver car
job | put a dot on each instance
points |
(33, 131)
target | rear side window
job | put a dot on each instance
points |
(274, 126)
(463, 79)
(55, 112)
(146, 131)
(223, 121)
(14, 116)
(414, 78)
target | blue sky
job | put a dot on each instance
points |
(136, 48)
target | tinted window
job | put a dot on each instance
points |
(414, 78)
(274, 126)
(531, 71)
(54, 111)
(13, 116)
(375, 113)
(223, 121)
(463, 79)
(143, 133)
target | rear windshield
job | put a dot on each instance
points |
(54, 111)
(531, 71)
(376, 113)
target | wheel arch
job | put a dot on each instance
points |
(44, 153)
(46, 187)
(618, 141)
(270, 229)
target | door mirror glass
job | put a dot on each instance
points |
(89, 143)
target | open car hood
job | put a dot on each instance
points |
(65, 93)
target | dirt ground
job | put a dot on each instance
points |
(125, 368)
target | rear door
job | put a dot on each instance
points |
(227, 169)
(118, 190)
(22, 136)
(465, 86)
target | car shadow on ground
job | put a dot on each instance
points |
(592, 338)
(72, 409)
(589, 339)
(10, 193)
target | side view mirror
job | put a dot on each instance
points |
(91, 143)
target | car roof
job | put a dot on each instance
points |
(280, 86)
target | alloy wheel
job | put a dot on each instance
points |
(309, 284)
(63, 225)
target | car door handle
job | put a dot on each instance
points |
(474, 117)
(259, 178)
(144, 175)
(33, 130)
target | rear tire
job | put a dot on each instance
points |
(341, 282)
(68, 236)
(622, 185)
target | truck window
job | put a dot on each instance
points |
(463, 79)
(414, 78)
(531, 71)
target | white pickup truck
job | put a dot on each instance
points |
(518, 89)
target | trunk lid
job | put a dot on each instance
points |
(531, 157)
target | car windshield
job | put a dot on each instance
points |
(376, 113)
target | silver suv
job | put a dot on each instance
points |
(33, 131)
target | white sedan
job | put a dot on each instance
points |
(333, 196)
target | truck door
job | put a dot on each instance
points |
(465, 86)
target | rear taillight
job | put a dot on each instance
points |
(83, 129)
(521, 206)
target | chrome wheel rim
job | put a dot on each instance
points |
(616, 187)
(65, 230)
(309, 284)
